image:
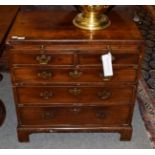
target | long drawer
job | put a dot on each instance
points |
(68, 75)
(108, 95)
(72, 116)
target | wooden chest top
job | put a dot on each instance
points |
(56, 26)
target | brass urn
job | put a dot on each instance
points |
(92, 17)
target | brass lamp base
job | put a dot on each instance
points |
(91, 21)
(92, 17)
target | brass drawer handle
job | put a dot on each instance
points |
(101, 114)
(46, 94)
(48, 115)
(45, 74)
(75, 91)
(43, 59)
(75, 74)
(104, 94)
(75, 110)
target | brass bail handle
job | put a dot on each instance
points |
(101, 114)
(45, 74)
(75, 110)
(46, 95)
(75, 74)
(104, 94)
(43, 59)
(48, 115)
(75, 91)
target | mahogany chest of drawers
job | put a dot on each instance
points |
(57, 74)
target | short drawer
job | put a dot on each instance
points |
(68, 95)
(72, 116)
(71, 75)
(117, 59)
(41, 59)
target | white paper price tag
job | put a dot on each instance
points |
(107, 64)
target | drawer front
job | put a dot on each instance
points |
(121, 59)
(72, 95)
(84, 75)
(41, 59)
(68, 116)
(68, 59)
(122, 48)
(64, 54)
